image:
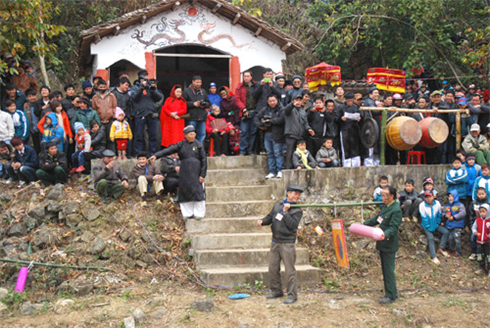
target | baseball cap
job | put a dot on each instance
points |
(444, 82)
(475, 127)
(462, 101)
(471, 86)
(212, 84)
(428, 193)
(435, 93)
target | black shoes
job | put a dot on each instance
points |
(290, 300)
(386, 300)
(272, 296)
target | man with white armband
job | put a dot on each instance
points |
(389, 221)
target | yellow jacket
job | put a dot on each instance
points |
(120, 130)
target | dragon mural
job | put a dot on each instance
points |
(208, 28)
(161, 28)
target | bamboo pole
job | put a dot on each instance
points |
(337, 205)
(55, 265)
(382, 141)
(458, 130)
(406, 110)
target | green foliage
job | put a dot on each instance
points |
(13, 300)
(26, 29)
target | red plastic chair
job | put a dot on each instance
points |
(415, 157)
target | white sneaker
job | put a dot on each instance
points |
(9, 181)
(472, 257)
(21, 184)
(270, 176)
(279, 175)
(436, 261)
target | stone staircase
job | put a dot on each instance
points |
(227, 246)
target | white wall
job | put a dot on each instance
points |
(178, 27)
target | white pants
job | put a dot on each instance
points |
(196, 209)
(143, 185)
(372, 160)
(348, 162)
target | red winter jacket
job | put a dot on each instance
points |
(483, 227)
(209, 129)
(241, 96)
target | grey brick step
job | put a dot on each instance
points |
(231, 240)
(238, 209)
(208, 259)
(307, 275)
(236, 162)
(238, 193)
(235, 177)
(223, 225)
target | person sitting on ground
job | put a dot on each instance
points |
(482, 181)
(121, 133)
(270, 119)
(6, 157)
(109, 179)
(97, 144)
(83, 145)
(481, 232)
(24, 164)
(218, 129)
(19, 118)
(327, 155)
(473, 170)
(477, 144)
(428, 184)
(430, 212)
(53, 166)
(302, 158)
(383, 182)
(409, 201)
(456, 178)
(473, 211)
(454, 212)
(147, 175)
(170, 168)
(52, 131)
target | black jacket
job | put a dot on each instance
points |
(48, 163)
(98, 142)
(319, 122)
(284, 230)
(277, 120)
(124, 101)
(191, 96)
(168, 165)
(296, 122)
(261, 93)
(144, 100)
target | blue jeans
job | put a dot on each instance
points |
(139, 133)
(78, 158)
(247, 134)
(24, 173)
(274, 154)
(430, 239)
(334, 163)
(200, 127)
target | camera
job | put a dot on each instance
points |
(266, 124)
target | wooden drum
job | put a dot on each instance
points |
(403, 133)
(434, 132)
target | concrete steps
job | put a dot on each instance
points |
(224, 225)
(232, 240)
(235, 177)
(235, 162)
(223, 276)
(238, 209)
(240, 193)
(209, 259)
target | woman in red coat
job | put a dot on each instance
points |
(171, 123)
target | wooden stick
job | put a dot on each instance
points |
(406, 110)
(382, 142)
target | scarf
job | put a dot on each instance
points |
(304, 158)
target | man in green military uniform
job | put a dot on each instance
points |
(389, 221)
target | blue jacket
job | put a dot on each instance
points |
(215, 99)
(54, 132)
(458, 212)
(473, 172)
(481, 181)
(377, 194)
(431, 215)
(20, 100)
(21, 124)
(456, 180)
(29, 158)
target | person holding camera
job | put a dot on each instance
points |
(270, 120)
(197, 103)
(145, 96)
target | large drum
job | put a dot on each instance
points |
(434, 132)
(403, 133)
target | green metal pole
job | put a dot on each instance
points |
(55, 265)
(336, 205)
(382, 137)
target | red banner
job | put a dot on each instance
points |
(339, 243)
(392, 80)
(322, 74)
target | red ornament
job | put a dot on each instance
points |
(192, 12)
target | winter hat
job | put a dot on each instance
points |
(471, 86)
(279, 76)
(349, 95)
(297, 77)
(470, 156)
(119, 111)
(428, 181)
(78, 125)
(212, 84)
(397, 96)
(86, 84)
(485, 206)
(474, 127)
(85, 100)
(189, 129)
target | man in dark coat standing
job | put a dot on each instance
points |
(197, 102)
(372, 158)
(284, 222)
(389, 221)
(349, 132)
